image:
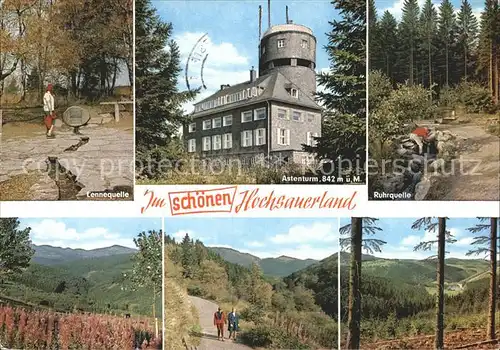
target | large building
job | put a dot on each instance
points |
(270, 116)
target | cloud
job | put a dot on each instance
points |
(302, 234)
(466, 241)
(255, 244)
(57, 233)
(224, 65)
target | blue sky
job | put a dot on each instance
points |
(270, 237)
(401, 238)
(88, 233)
(233, 30)
(395, 6)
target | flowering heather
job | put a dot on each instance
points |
(21, 328)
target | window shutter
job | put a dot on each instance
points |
(256, 137)
(288, 137)
(278, 138)
(308, 138)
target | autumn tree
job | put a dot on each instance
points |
(356, 243)
(488, 245)
(15, 247)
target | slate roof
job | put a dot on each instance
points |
(274, 85)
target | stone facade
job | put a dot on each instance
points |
(272, 116)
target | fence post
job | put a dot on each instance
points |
(117, 112)
(156, 328)
(1, 122)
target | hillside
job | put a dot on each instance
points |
(49, 255)
(279, 267)
(97, 282)
(420, 272)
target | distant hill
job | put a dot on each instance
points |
(49, 255)
(279, 267)
(91, 280)
(419, 272)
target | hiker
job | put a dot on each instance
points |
(48, 108)
(232, 324)
(219, 322)
(421, 135)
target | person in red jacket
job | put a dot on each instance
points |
(421, 135)
(219, 322)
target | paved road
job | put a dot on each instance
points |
(209, 341)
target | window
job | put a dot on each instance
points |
(244, 94)
(216, 122)
(283, 137)
(207, 124)
(310, 117)
(260, 137)
(192, 145)
(206, 143)
(192, 127)
(309, 138)
(297, 116)
(304, 44)
(227, 141)
(263, 50)
(260, 114)
(281, 113)
(281, 43)
(216, 142)
(246, 138)
(227, 120)
(294, 93)
(254, 91)
(246, 116)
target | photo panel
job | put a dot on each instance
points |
(234, 283)
(66, 100)
(419, 283)
(268, 93)
(434, 112)
(80, 283)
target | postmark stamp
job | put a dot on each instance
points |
(196, 63)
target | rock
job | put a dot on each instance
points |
(437, 165)
(393, 183)
(403, 151)
(95, 120)
(422, 188)
(408, 144)
(106, 118)
(58, 123)
(4, 178)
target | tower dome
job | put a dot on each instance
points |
(290, 49)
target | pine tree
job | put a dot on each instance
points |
(489, 45)
(158, 102)
(356, 243)
(443, 237)
(428, 25)
(409, 27)
(388, 43)
(15, 247)
(467, 33)
(188, 258)
(488, 245)
(447, 26)
(344, 95)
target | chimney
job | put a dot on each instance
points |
(269, 13)
(287, 15)
(253, 75)
(260, 22)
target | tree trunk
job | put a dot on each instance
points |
(465, 62)
(429, 62)
(447, 65)
(354, 318)
(439, 341)
(411, 64)
(493, 278)
(495, 71)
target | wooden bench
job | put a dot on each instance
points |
(117, 107)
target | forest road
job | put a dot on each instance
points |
(476, 173)
(209, 340)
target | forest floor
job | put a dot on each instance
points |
(104, 161)
(475, 174)
(452, 340)
(208, 340)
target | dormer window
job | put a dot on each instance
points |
(294, 92)
(304, 44)
(281, 43)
